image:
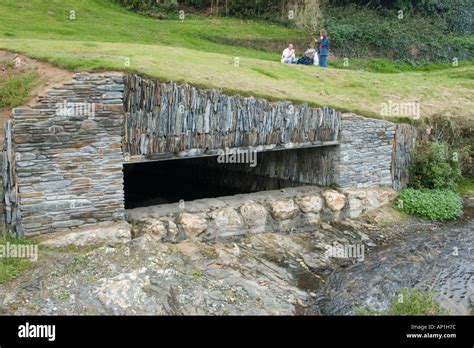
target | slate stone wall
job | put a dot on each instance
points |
(63, 157)
(371, 153)
(364, 158)
(63, 165)
(166, 119)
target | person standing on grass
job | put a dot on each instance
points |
(323, 48)
(316, 54)
(289, 55)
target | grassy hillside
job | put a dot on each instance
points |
(105, 36)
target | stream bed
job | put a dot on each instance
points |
(437, 258)
(261, 274)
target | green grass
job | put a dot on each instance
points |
(466, 187)
(408, 302)
(15, 89)
(106, 21)
(105, 36)
(12, 267)
(387, 66)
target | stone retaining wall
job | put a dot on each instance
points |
(63, 163)
(63, 157)
(292, 209)
(364, 158)
(371, 153)
(167, 119)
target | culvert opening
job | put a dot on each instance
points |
(164, 182)
(170, 181)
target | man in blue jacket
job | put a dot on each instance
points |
(323, 48)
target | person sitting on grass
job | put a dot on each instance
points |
(323, 49)
(308, 57)
(289, 55)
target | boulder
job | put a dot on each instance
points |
(117, 233)
(254, 214)
(334, 200)
(226, 219)
(158, 228)
(284, 209)
(193, 225)
(310, 204)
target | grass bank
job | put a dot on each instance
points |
(105, 36)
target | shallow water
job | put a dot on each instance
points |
(438, 258)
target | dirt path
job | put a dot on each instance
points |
(12, 64)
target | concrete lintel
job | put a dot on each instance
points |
(198, 153)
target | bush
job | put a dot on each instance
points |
(457, 133)
(408, 302)
(456, 14)
(358, 32)
(435, 166)
(414, 302)
(148, 6)
(438, 205)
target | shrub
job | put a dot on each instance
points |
(456, 14)
(408, 302)
(431, 204)
(466, 187)
(457, 133)
(358, 32)
(435, 166)
(414, 302)
(145, 6)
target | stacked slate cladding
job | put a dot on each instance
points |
(167, 118)
(403, 145)
(364, 158)
(63, 157)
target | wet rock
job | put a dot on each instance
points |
(312, 219)
(334, 200)
(284, 210)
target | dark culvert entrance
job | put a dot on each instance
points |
(164, 182)
(169, 181)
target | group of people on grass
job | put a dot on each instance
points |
(317, 56)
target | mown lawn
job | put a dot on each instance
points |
(105, 36)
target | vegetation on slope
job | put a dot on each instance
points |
(416, 32)
(104, 35)
(408, 302)
(11, 267)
